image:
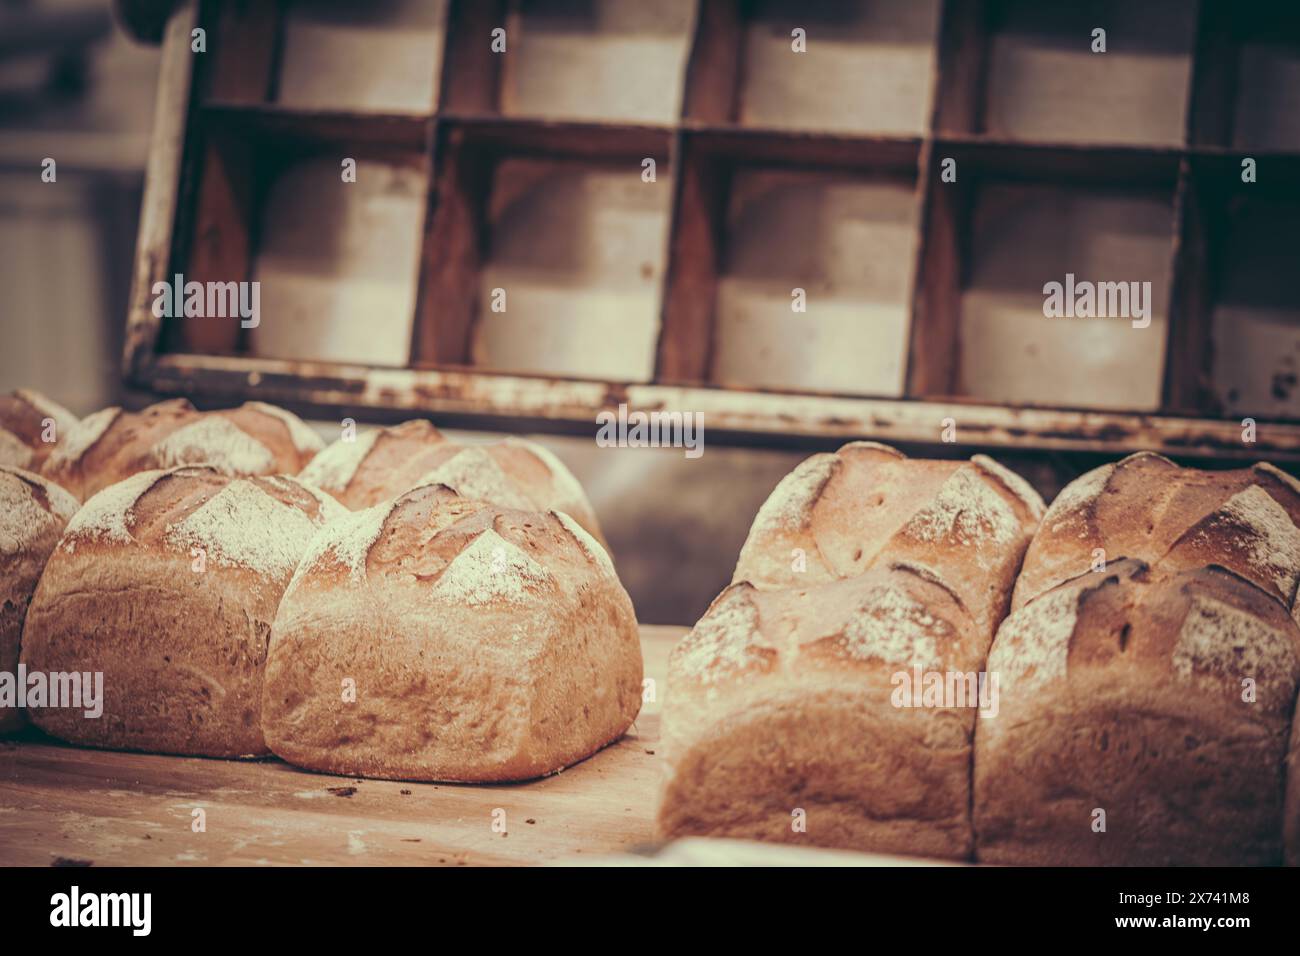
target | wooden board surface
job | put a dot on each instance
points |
(60, 804)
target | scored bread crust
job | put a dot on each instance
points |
(784, 701)
(480, 643)
(23, 417)
(112, 444)
(33, 513)
(1122, 691)
(838, 515)
(1148, 508)
(167, 583)
(916, 560)
(379, 465)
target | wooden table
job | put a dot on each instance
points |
(60, 804)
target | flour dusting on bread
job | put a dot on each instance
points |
(23, 518)
(725, 640)
(473, 473)
(491, 569)
(1077, 497)
(892, 626)
(1033, 644)
(588, 544)
(1265, 532)
(1013, 483)
(108, 514)
(966, 511)
(214, 441)
(83, 436)
(304, 439)
(335, 467)
(242, 526)
(1226, 643)
(790, 504)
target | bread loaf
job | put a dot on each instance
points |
(435, 637)
(112, 444)
(836, 515)
(1154, 704)
(30, 426)
(794, 708)
(379, 465)
(782, 721)
(33, 513)
(1147, 508)
(167, 584)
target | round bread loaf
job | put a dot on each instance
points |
(30, 426)
(167, 584)
(381, 464)
(787, 719)
(439, 638)
(1143, 718)
(33, 513)
(112, 444)
(1147, 508)
(838, 515)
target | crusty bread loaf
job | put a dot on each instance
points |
(112, 444)
(381, 464)
(30, 426)
(862, 566)
(167, 583)
(33, 513)
(782, 722)
(1146, 507)
(438, 638)
(837, 515)
(1161, 698)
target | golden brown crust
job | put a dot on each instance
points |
(112, 444)
(1148, 508)
(513, 473)
(839, 515)
(785, 703)
(482, 644)
(167, 583)
(862, 566)
(31, 425)
(33, 513)
(1162, 698)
